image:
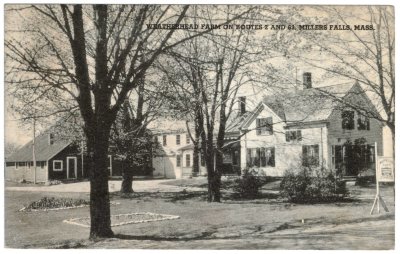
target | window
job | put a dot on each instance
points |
(155, 139)
(178, 160)
(270, 156)
(307, 81)
(261, 157)
(164, 140)
(187, 139)
(293, 135)
(264, 126)
(187, 160)
(348, 120)
(57, 165)
(311, 155)
(178, 139)
(362, 122)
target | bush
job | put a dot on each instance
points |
(249, 184)
(312, 186)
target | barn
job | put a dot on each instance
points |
(56, 159)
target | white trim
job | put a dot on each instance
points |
(47, 170)
(75, 166)
(54, 168)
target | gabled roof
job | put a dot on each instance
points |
(304, 106)
(234, 124)
(43, 150)
(186, 147)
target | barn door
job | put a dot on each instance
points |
(72, 167)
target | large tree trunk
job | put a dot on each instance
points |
(213, 175)
(100, 222)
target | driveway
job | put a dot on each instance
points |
(138, 186)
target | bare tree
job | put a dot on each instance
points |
(363, 52)
(89, 58)
(85, 55)
(206, 77)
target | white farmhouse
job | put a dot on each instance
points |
(309, 126)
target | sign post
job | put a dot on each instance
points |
(384, 169)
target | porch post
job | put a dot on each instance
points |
(33, 152)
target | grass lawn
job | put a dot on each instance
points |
(265, 223)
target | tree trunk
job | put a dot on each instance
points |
(213, 176)
(196, 166)
(217, 176)
(127, 178)
(100, 221)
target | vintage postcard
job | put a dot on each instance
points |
(256, 127)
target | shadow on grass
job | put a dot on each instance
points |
(203, 235)
(229, 197)
(166, 196)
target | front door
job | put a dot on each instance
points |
(72, 167)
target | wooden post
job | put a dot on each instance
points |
(33, 152)
(378, 199)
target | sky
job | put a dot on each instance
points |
(20, 134)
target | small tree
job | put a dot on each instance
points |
(133, 145)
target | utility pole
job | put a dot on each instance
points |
(33, 151)
(82, 147)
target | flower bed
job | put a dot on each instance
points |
(54, 204)
(124, 219)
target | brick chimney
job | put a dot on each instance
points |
(242, 105)
(307, 81)
(51, 138)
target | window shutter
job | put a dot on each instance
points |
(248, 159)
(269, 125)
(258, 126)
(316, 153)
(287, 136)
(305, 155)
(258, 156)
(351, 120)
(299, 137)
(273, 156)
(344, 120)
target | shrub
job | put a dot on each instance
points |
(249, 184)
(312, 186)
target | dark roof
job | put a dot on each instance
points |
(43, 150)
(308, 105)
